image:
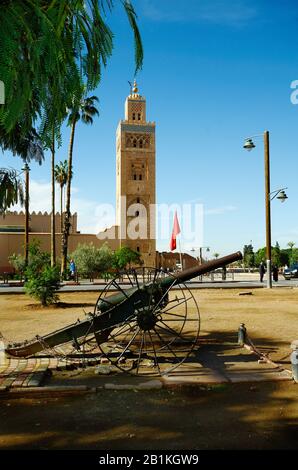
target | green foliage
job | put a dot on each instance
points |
(90, 260)
(248, 256)
(50, 53)
(18, 263)
(11, 189)
(280, 257)
(61, 171)
(260, 256)
(42, 280)
(62, 44)
(125, 256)
(293, 257)
(43, 284)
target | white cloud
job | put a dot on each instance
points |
(232, 12)
(89, 212)
(220, 210)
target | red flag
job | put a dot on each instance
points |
(175, 232)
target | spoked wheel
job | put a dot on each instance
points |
(159, 334)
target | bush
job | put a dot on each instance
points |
(90, 260)
(42, 280)
(18, 263)
(42, 285)
(125, 256)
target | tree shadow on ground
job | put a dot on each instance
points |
(261, 415)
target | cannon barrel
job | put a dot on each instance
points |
(204, 268)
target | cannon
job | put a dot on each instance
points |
(144, 322)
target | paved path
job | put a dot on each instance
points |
(87, 287)
(212, 363)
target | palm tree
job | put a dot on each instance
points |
(11, 189)
(291, 246)
(55, 39)
(85, 111)
(216, 255)
(61, 173)
(62, 42)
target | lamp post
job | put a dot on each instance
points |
(249, 145)
(26, 170)
(200, 248)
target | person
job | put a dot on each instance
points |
(224, 273)
(262, 271)
(275, 273)
(72, 268)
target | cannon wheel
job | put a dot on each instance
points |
(157, 339)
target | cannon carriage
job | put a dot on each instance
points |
(148, 325)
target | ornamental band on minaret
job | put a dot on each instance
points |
(135, 178)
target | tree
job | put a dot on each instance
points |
(276, 255)
(260, 256)
(42, 280)
(216, 255)
(43, 284)
(53, 39)
(83, 110)
(61, 174)
(63, 46)
(91, 260)
(248, 256)
(125, 256)
(11, 189)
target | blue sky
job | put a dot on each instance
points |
(214, 73)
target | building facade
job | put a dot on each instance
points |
(136, 179)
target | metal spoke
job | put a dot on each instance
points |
(177, 305)
(160, 300)
(140, 353)
(120, 288)
(123, 329)
(167, 345)
(170, 330)
(123, 352)
(173, 315)
(156, 361)
(131, 329)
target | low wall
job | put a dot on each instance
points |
(11, 243)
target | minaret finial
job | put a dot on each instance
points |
(135, 87)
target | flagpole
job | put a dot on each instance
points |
(180, 254)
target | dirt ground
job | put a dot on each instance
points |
(269, 316)
(237, 416)
(229, 416)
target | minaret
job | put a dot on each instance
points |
(135, 180)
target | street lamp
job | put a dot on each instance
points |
(201, 252)
(26, 170)
(280, 194)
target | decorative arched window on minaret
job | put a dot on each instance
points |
(136, 177)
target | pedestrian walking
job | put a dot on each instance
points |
(275, 273)
(72, 269)
(262, 271)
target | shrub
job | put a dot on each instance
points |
(18, 263)
(90, 260)
(42, 280)
(125, 256)
(42, 285)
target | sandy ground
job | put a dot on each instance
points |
(269, 316)
(230, 416)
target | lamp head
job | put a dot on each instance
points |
(249, 145)
(282, 196)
